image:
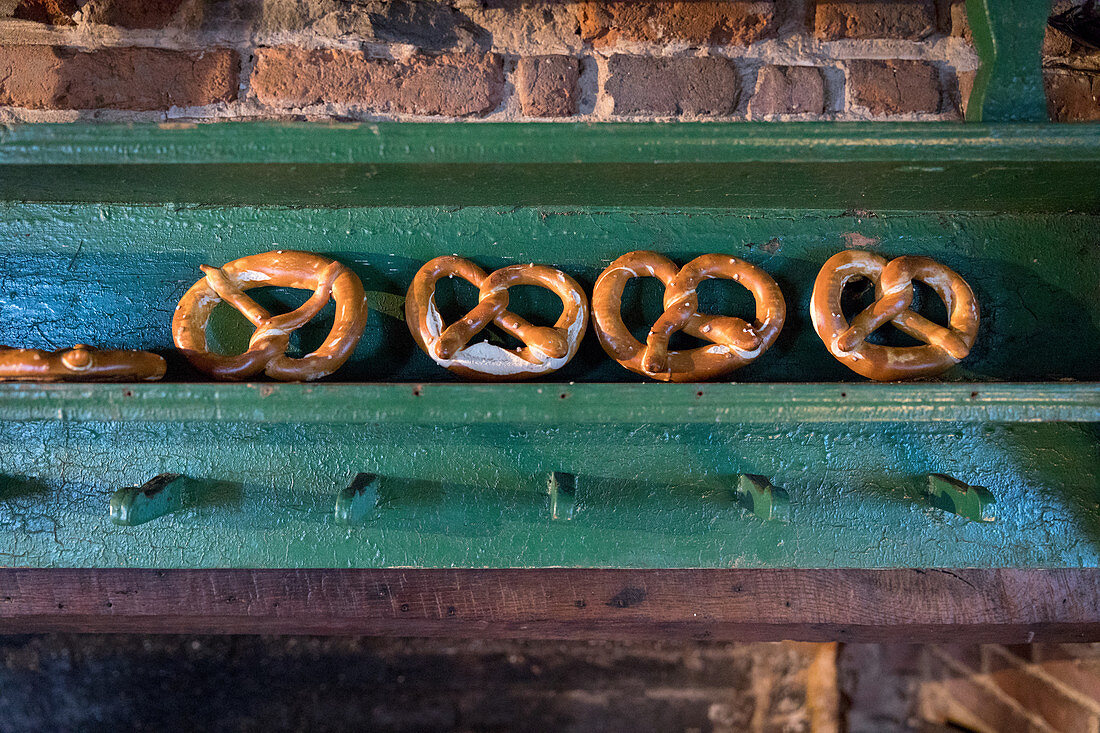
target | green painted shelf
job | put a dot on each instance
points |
(102, 228)
(551, 403)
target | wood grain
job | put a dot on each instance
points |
(812, 605)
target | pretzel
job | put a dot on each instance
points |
(893, 281)
(546, 348)
(81, 363)
(267, 348)
(736, 342)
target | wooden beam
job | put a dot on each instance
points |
(812, 605)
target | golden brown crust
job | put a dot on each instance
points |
(81, 363)
(267, 348)
(893, 282)
(545, 350)
(736, 342)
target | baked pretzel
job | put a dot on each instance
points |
(81, 363)
(736, 342)
(546, 348)
(267, 348)
(893, 282)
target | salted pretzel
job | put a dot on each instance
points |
(735, 342)
(81, 363)
(893, 282)
(267, 348)
(546, 348)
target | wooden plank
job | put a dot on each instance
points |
(910, 605)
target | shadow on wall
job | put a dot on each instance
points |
(240, 683)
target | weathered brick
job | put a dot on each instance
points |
(518, 26)
(666, 87)
(139, 13)
(953, 20)
(894, 87)
(428, 24)
(456, 85)
(1078, 675)
(967, 656)
(547, 85)
(1059, 44)
(784, 90)
(1036, 695)
(1056, 43)
(965, 81)
(1073, 96)
(906, 19)
(1048, 652)
(953, 696)
(698, 22)
(53, 12)
(52, 77)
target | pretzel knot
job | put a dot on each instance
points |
(81, 363)
(546, 348)
(735, 342)
(267, 348)
(893, 282)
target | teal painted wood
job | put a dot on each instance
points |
(566, 404)
(113, 274)
(458, 495)
(1008, 35)
(178, 146)
(898, 166)
(104, 228)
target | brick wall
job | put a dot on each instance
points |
(989, 688)
(482, 59)
(1071, 75)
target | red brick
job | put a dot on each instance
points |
(1056, 43)
(53, 77)
(966, 87)
(698, 22)
(788, 90)
(1045, 652)
(1073, 96)
(1075, 666)
(894, 87)
(967, 656)
(907, 19)
(983, 708)
(53, 12)
(668, 87)
(1036, 695)
(133, 13)
(455, 85)
(547, 85)
(953, 20)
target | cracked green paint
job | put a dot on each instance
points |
(103, 228)
(463, 463)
